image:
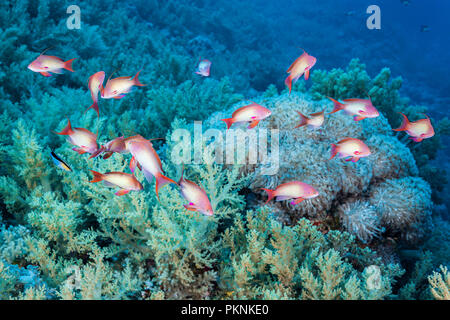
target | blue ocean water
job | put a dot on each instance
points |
(337, 30)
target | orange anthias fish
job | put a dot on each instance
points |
(46, 64)
(125, 181)
(315, 120)
(117, 88)
(252, 113)
(203, 68)
(146, 157)
(196, 196)
(359, 108)
(418, 130)
(85, 140)
(301, 66)
(119, 145)
(296, 190)
(95, 85)
(350, 147)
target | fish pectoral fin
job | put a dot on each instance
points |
(108, 184)
(281, 198)
(358, 118)
(307, 73)
(45, 74)
(133, 164)
(79, 150)
(253, 124)
(349, 159)
(107, 155)
(355, 159)
(148, 176)
(120, 96)
(190, 207)
(297, 201)
(122, 192)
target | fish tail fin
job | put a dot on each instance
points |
(136, 80)
(68, 64)
(160, 181)
(404, 125)
(303, 120)
(182, 175)
(67, 130)
(288, 82)
(95, 107)
(229, 122)
(337, 105)
(334, 151)
(270, 194)
(97, 176)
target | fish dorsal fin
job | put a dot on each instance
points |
(56, 58)
(243, 107)
(123, 78)
(45, 50)
(182, 174)
(293, 63)
(352, 100)
(346, 140)
(112, 74)
(317, 113)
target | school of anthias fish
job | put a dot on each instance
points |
(144, 156)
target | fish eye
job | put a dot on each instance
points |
(357, 152)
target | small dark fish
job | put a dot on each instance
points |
(405, 2)
(59, 162)
(424, 28)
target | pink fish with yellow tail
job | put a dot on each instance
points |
(117, 88)
(196, 196)
(203, 68)
(418, 130)
(301, 66)
(358, 108)
(146, 157)
(125, 181)
(315, 120)
(350, 148)
(85, 140)
(296, 190)
(252, 113)
(95, 84)
(47, 64)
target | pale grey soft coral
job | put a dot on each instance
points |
(304, 153)
(360, 219)
(12, 242)
(404, 205)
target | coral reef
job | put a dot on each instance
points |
(440, 284)
(360, 219)
(304, 154)
(354, 81)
